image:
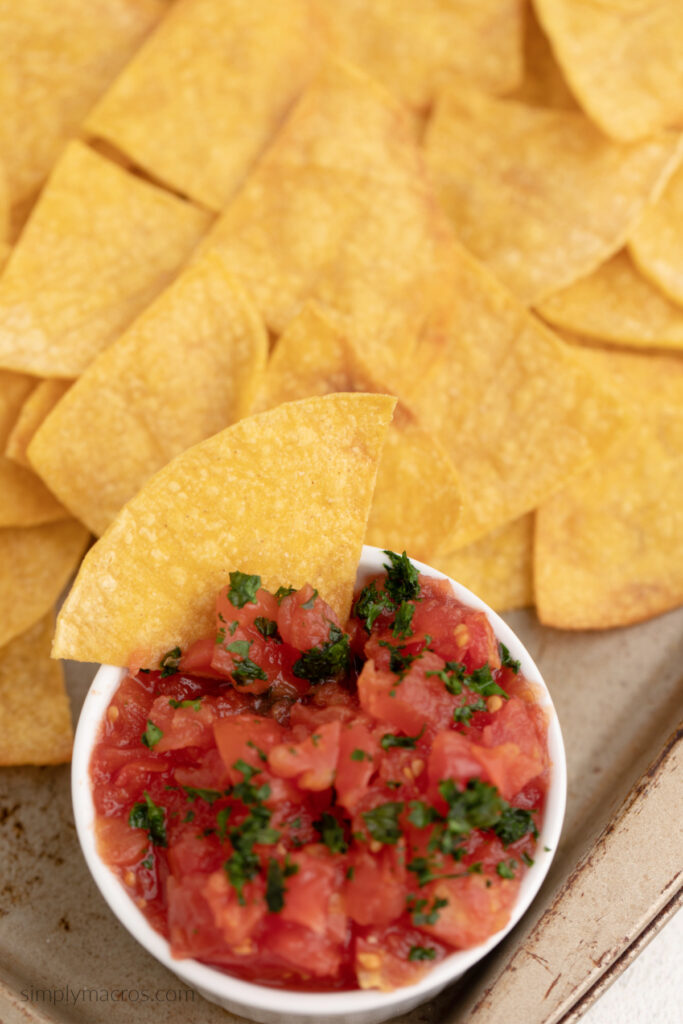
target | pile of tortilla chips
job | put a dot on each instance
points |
(230, 229)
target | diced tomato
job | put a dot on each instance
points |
(247, 738)
(505, 766)
(375, 890)
(118, 843)
(304, 619)
(476, 907)
(313, 893)
(383, 957)
(312, 762)
(192, 853)
(302, 950)
(196, 660)
(358, 758)
(458, 633)
(514, 723)
(452, 757)
(182, 727)
(418, 701)
(237, 919)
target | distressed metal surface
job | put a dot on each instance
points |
(618, 695)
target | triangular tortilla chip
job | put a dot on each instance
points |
(39, 403)
(543, 84)
(35, 564)
(4, 210)
(409, 45)
(35, 718)
(57, 58)
(538, 195)
(203, 97)
(185, 369)
(285, 494)
(24, 500)
(339, 210)
(609, 546)
(100, 244)
(617, 304)
(417, 495)
(622, 59)
(511, 404)
(498, 567)
(656, 243)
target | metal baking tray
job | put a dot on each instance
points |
(616, 878)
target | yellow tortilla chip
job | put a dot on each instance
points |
(24, 499)
(408, 46)
(339, 210)
(285, 494)
(538, 195)
(4, 209)
(185, 369)
(617, 304)
(5, 251)
(57, 58)
(543, 84)
(203, 97)
(35, 564)
(39, 403)
(100, 244)
(656, 242)
(417, 495)
(511, 404)
(609, 546)
(498, 567)
(35, 718)
(622, 59)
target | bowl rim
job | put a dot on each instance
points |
(312, 1005)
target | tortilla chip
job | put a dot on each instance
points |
(285, 494)
(339, 210)
(543, 84)
(622, 59)
(497, 568)
(409, 45)
(57, 58)
(35, 718)
(538, 195)
(617, 304)
(417, 495)
(39, 403)
(514, 409)
(609, 546)
(203, 97)
(24, 500)
(100, 244)
(185, 369)
(5, 251)
(35, 565)
(656, 242)
(4, 208)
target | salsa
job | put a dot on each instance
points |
(319, 805)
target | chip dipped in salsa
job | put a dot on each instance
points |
(320, 805)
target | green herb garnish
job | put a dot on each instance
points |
(382, 822)
(326, 661)
(402, 582)
(170, 662)
(151, 735)
(150, 817)
(243, 589)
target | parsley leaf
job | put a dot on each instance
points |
(283, 592)
(170, 662)
(371, 603)
(390, 740)
(507, 660)
(244, 670)
(222, 822)
(275, 883)
(506, 868)
(151, 735)
(360, 755)
(482, 682)
(194, 704)
(311, 601)
(402, 582)
(452, 675)
(513, 824)
(332, 833)
(210, 795)
(267, 628)
(400, 660)
(150, 817)
(382, 822)
(326, 661)
(244, 864)
(243, 589)
(421, 913)
(402, 622)
(464, 712)
(421, 814)
(422, 953)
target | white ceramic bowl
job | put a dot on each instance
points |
(280, 1006)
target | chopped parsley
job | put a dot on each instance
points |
(331, 833)
(422, 913)
(283, 592)
(245, 670)
(326, 661)
(390, 740)
(151, 735)
(267, 628)
(514, 823)
(382, 822)
(360, 755)
(422, 953)
(150, 817)
(483, 683)
(400, 659)
(528, 860)
(194, 704)
(196, 793)
(464, 712)
(170, 662)
(506, 868)
(261, 754)
(311, 601)
(507, 660)
(275, 883)
(421, 815)
(402, 580)
(371, 603)
(148, 862)
(452, 675)
(402, 622)
(222, 822)
(244, 864)
(243, 589)
(188, 817)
